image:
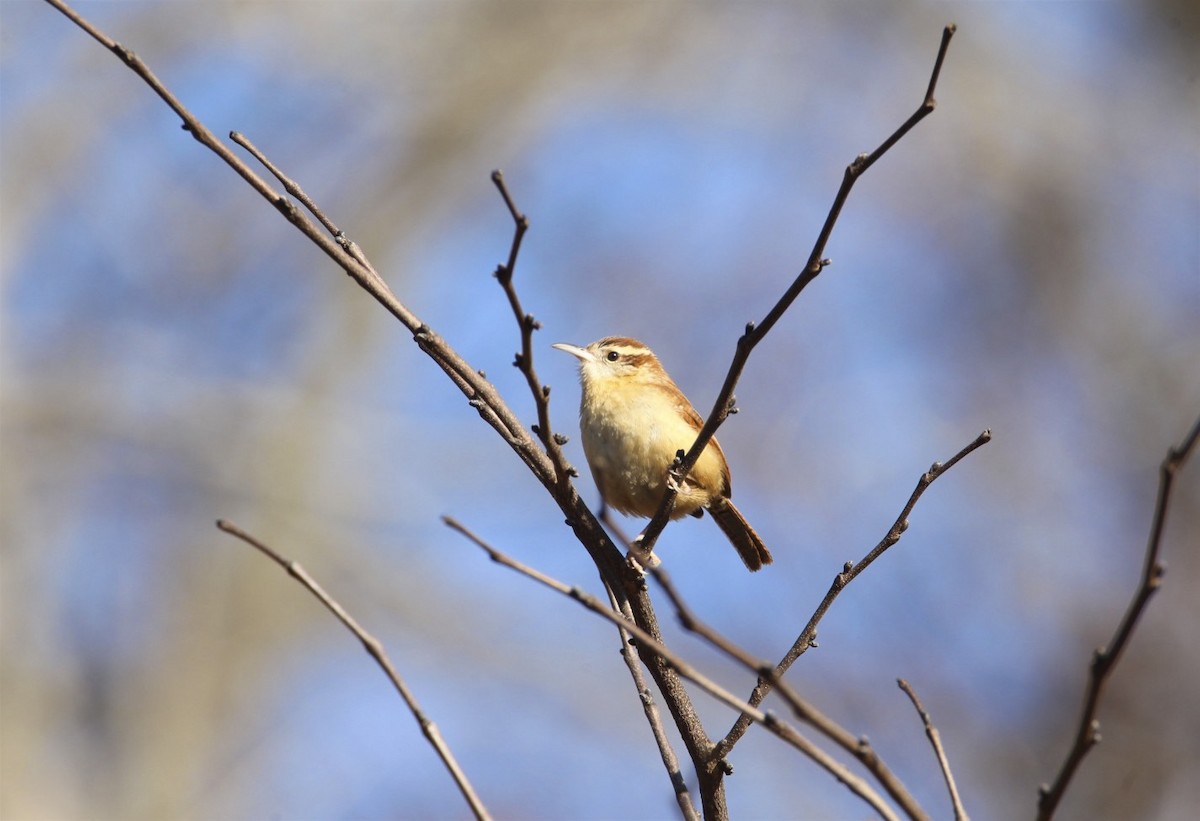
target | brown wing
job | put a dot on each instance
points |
(697, 421)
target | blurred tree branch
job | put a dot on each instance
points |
(1104, 660)
(935, 739)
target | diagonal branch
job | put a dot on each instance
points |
(373, 646)
(1105, 659)
(935, 738)
(293, 188)
(755, 333)
(644, 639)
(808, 636)
(484, 398)
(480, 393)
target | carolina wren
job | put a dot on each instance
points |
(634, 419)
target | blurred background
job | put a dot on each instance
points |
(173, 352)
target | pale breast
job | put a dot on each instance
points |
(631, 443)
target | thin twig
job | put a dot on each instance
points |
(646, 642)
(935, 738)
(857, 746)
(526, 322)
(1105, 659)
(292, 187)
(375, 648)
(850, 571)
(633, 662)
(755, 333)
(638, 559)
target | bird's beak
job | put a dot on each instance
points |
(583, 354)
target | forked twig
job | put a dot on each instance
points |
(755, 333)
(373, 646)
(1105, 659)
(770, 676)
(935, 738)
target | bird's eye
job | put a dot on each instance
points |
(613, 356)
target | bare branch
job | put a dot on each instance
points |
(816, 263)
(649, 643)
(520, 225)
(527, 324)
(1105, 659)
(293, 188)
(481, 394)
(633, 661)
(935, 738)
(850, 571)
(857, 746)
(375, 648)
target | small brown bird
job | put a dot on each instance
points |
(634, 419)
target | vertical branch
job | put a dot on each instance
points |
(1105, 659)
(626, 591)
